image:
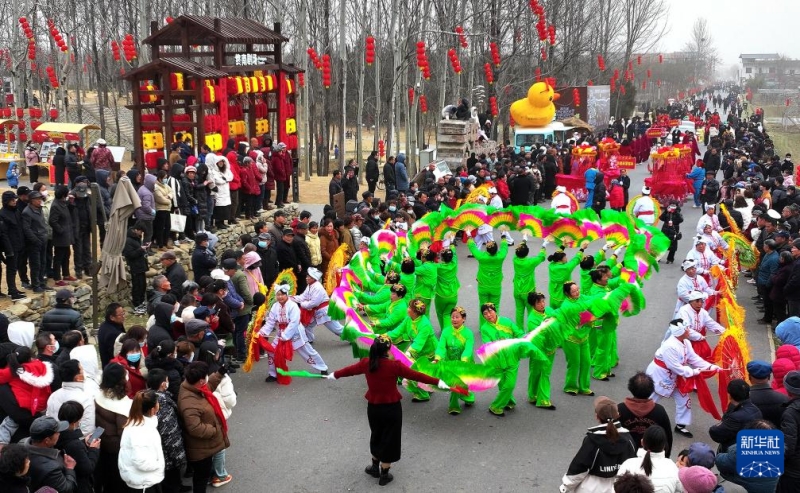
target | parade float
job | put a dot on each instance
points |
(669, 167)
(211, 79)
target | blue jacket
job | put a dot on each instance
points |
(697, 175)
(400, 173)
(788, 331)
(769, 265)
(590, 176)
(726, 464)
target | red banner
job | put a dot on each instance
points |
(624, 162)
(655, 133)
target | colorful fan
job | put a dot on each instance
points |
(531, 224)
(566, 230)
(338, 260)
(502, 219)
(286, 276)
(421, 234)
(476, 378)
(386, 241)
(250, 341)
(470, 217)
(589, 223)
(616, 226)
(481, 191)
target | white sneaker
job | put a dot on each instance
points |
(176, 242)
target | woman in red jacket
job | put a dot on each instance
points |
(616, 196)
(130, 358)
(384, 412)
(250, 192)
(235, 185)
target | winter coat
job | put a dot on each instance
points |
(141, 459)
(401, 175)
(594, 467)
(262, 167)
(269, 265)
(778, 281)
(389, 176)
(177, 276)
(790, 425)
(180, 194)
(770, 402)
(146, 211)
(732, 422)
(616, 197)
(203, 433)
(664, 474)
(780, 367)
(31, 387)
(350, 187)
(328, 243)
(162, 328)
(789, 352)
(226, 396)
(372, 171)
(197, 193)
(71, 161)
(111, 414)
(106, 335)
(250, 181)
(163, 197)
(47, 469)
(312, 240)
(221, 178)
(12, 227)
(73, 391)
(105, 193)
(60, 221)
(34, 227)
(788, 331)
(135, 255)
(61, 319)
(236, 171)
(169, 428)
(73, 443)
(136, 381)
(11, 483)
(203, 262)
(31, 158)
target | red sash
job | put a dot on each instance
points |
(307, 315)
(644, 213)
(685, 385)
(283, 353)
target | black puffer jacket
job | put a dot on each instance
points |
(161, 330)
(598, 460)
(61, 319)
(73, 444)
(47, 469)
(173, 367)
(61, 222)
(203, 261)
(134, 254)
(790, 426)
(34, 227)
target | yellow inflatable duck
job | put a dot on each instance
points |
(537, 109)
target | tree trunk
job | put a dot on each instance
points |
(343, 85)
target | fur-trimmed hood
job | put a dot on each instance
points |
(36, 373)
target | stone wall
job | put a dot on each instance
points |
(32, 308)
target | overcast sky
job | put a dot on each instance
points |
(737, 26)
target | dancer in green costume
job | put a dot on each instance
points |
(382, 294)
(603, 349)
(539, 372)
(392, 313)
(415, 336)
(456, 344)
(425, 269)
(447, 284)
(576, 346)
(496, 328)
(561, 272)
(490, 270)
(408, 275)
(525, 278)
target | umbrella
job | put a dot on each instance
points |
(113, 276)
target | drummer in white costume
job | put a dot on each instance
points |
(284, 317)
(674, 362)
(314, 300)
(713, 239)
(561, 203)
(485, 232)
(644, 208)
(690, 282)
(699, 322)
(710, 217)
(704, 258)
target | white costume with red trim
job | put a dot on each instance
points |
(704, 261)
(315, 298)
(705, 219)
(686, 285)
(645, 209)
(286, 319)
(561, 203)
(674, 358)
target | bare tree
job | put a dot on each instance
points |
(701, 48)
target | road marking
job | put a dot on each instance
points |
(771, 343)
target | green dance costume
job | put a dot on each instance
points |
(561, 272)
(539, 372)
(506, 365)
(416, 338)
(604, 347)
(447, 286)
(426, 282)
(490, 272)
(576, 351)
(393, 314)
(524, 283)
(456, 345)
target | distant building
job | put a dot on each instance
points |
(775, 69)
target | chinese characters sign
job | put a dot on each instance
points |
(249, 59)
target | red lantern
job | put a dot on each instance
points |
(462, 38)
(601, 63)
(454, 62)
(487, 70)
(115, 50)
(495, 50)
(576, 97)
(551, 33)
(616, 74)
(369, 53)
(511, 122)
(544, 54)
(622, 89)
(381, 148)
(20, 113)
(589, 82)
(649, 73)
(644, 85)
(538, 73)
(326, 71)
(630, 66)
(301, 79)
(423, 103)
(788, 102)
(613, 85)
(169, 20)
(410, 96)
(53, 114)
(639, 60)
(660, 58)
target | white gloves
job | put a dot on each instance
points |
(330, 376)
(617, 251)
(446, 243)
(715, 368)
(545, 243)
(525, 237)
(696, 371)
(408, 355)
(443, 385)
(608, 245)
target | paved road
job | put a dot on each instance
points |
(313, 435)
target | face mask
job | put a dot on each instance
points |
(44, 193)
(377, 218)
(402, 226)
(262, 244)
(141, 344)
(134, 357)
(165, 180)
(56, 346)
(392, 208)
(191, 357)
(173, 319)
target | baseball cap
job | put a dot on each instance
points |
(63, 294)
(701, 454)
(200, 237)
(759, 369)
(218, 274)
(45, 427)
(229, 264)
(201, 312)
(288, 231)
